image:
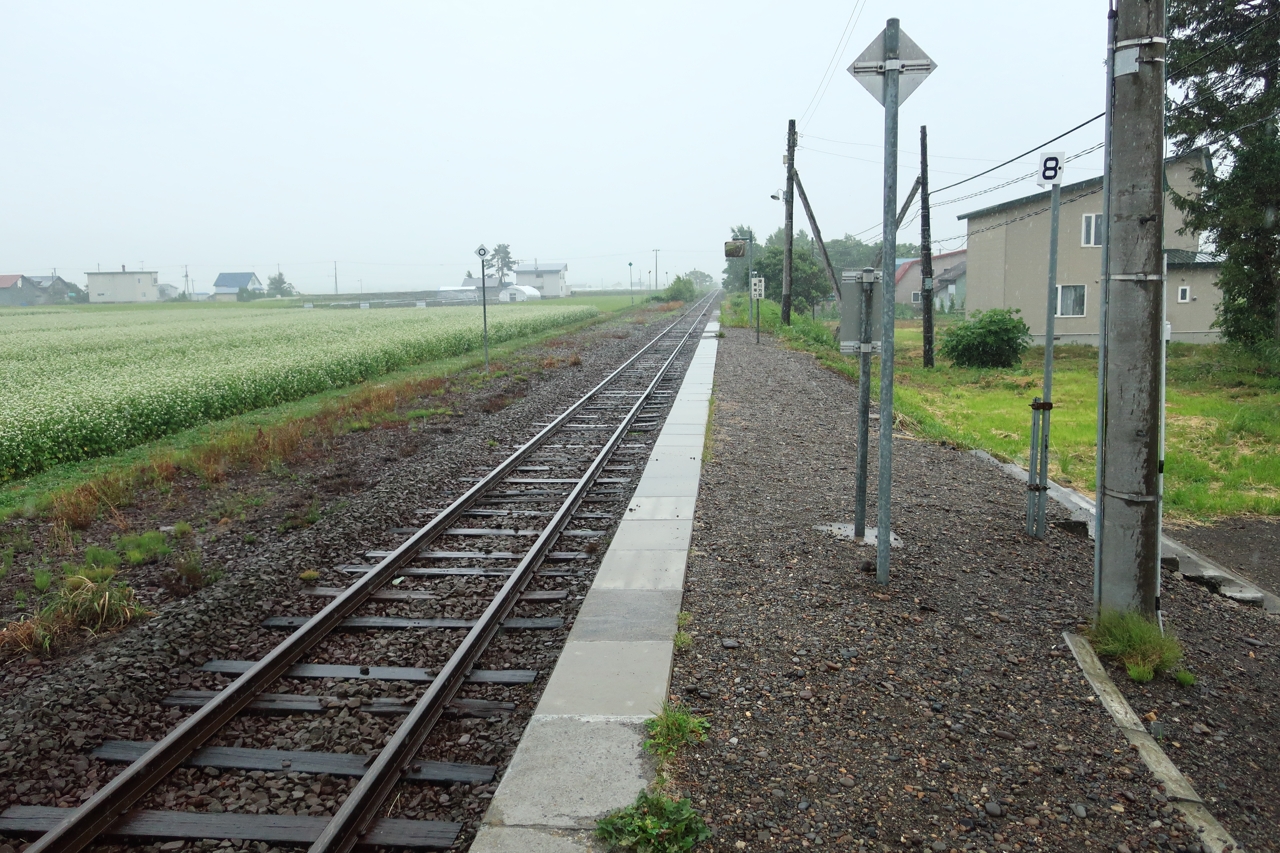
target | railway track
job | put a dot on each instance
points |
(540, 513)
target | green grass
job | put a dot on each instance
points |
(1185, 678)
(1137, 643)
(671, 729)
(654, 823)
(144, 547)
(682, 641)
(41, 578)
(1223, 436)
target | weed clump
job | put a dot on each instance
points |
(654, 823)
(187, 575)
(1185, 678)
(1137, 643)
(144, 548)
(79, 604)
(671, 729)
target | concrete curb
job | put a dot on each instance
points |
(1177, 788)
(1191, 563)
(581, 756)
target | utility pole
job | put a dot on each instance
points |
(631, 283)
(335, 277)
(788, 239)
(656, 274)
(186, 281)
(926, 249)
(1127, 536)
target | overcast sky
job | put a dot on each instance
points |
(394, 138)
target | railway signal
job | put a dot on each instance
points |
(482, 253)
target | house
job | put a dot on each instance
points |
(20, 290)
(909, 278)
(491, 284)
(123, 286)
(949, 288)
(227, 286)
(550, 280)
(518, 293)
(1008, 245)
(168, 291)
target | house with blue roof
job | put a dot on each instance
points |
(227, 286)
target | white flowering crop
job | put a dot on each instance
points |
(78, 383)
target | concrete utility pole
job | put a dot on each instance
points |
(788, 235)
(1128, 531)
(656, 274)
(926, 249)
(335, 277)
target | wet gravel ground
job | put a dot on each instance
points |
(53, 713)
(1250, 546)
(942, 712)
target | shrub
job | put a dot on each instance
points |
(654, 823)
(995, 338)
(1137, 643)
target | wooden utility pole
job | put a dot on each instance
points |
(1128, 529)
(817, 235)
(926, 249)
(788, 232)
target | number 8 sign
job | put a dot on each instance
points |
(1050, 171)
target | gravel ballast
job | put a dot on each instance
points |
(940, 712)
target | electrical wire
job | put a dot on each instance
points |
(1039, 147)
(834, 63)
(1184, 66)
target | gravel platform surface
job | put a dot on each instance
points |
(54, 712)
(942, 712)
(1250, 546)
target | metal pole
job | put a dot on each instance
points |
(1135, 234)
(788, 225)
(889, 245)
(655, 268)
(1046, 406)
(631, 283)
(1104, 291)
(751, 300)
(864, 403)
(1033, 467)
(484, 313)
(926, 250)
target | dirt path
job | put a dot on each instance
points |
(942, 712)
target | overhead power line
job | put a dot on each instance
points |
(1033, 150)
(833, 66)
(1211, 51)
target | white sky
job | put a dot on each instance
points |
(396, 137)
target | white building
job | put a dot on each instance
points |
(550, 280)
(123, 286)
(518, 293)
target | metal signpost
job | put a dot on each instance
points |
(860, 287)
(482, 253)
(757, 295)
(891, 68)
(1049, 173)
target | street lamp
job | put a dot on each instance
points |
(631, 284)
(779, 195)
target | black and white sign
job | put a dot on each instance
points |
(757, 288)
(1050, 170)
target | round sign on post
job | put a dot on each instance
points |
(1050, 171)
(481, 252)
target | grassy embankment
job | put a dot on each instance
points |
(1223, 432)
(264, 434)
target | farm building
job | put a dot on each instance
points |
(909, 278)
(518, 293)
(227, 286)
(123, 286)
(1008, 260)
(18, 290)
(550, 280)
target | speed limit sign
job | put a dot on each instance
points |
(757, 288)
(1050, 171)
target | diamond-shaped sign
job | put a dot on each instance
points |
(912, 63)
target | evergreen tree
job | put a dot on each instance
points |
(1224, 61)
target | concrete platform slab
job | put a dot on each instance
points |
(506, 839)
(668, 487)
(653, 534)
(618, 679)
(687, 429)
(627, 614)
(643, 508)
(570, 771)
(641, 570)
(669, 440)
(673, 462)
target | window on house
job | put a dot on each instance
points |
(1184, 293)
(1070, 300)
(915, 296)
(1091, 230)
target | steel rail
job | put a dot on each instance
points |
(358, 813)
(105, 807)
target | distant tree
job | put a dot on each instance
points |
(681, 290)
(700, 279)
(500, 261)
(1225, 96)
(277, 286)
(808, 279)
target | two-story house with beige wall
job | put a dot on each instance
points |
(1007, 265)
